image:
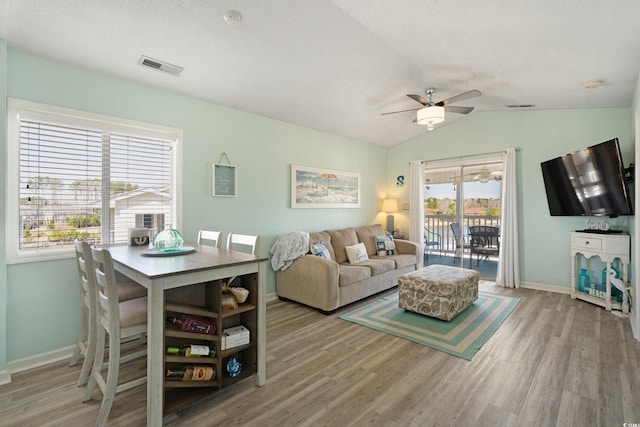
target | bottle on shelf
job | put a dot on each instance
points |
(192, 324)
(192, 350)
(583, 281)
(192, 373)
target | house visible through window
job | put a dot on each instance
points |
(151, 221)
(87, 177)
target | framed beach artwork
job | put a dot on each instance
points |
(324, 188)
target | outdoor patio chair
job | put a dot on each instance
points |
(461, 243)
(431, 240)
(485, 242)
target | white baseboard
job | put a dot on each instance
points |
(38, 360)
(5, 377)
(271, 297)
(545, 287)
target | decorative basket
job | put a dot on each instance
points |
(228, 301)
(241, 294)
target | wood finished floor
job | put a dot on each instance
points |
(553, 362)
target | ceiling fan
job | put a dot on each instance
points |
(432, 113)
(484, 175)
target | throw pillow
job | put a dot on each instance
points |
(385, 245)
(356, 253)
(319, 249)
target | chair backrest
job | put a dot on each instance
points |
(484, 235)
(84, 263)
(212, 236)
(139, 236)
(457, 233)
(108, 307)
(431, 237)
(243, 241)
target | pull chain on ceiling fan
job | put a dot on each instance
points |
(434, 112)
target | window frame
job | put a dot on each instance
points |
(61, 115)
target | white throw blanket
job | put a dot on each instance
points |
(287, 248)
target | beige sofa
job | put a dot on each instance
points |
(327, 284)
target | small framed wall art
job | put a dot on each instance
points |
(225, 179)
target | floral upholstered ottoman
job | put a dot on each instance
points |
(438, 291)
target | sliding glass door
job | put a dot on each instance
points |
(461, 199)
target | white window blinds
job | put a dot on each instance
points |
(60, 179)
(90, 180)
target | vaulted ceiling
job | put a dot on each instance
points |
(336, 65)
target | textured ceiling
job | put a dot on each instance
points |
(336, 65)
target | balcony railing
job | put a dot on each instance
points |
(439, 224)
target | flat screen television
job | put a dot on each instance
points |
(589, 182)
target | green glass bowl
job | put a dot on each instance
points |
(168, 240)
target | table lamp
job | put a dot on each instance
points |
(389, 206)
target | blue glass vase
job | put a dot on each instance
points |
(168, 240)
(583, 281)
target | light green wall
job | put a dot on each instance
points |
(42, 298)
(39, 301)
(541, 135)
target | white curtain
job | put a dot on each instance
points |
(416, 207)
(508, 268)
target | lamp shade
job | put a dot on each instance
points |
(430, 116)
(389, 205)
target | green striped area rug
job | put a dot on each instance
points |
(462, 336)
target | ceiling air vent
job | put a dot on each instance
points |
(165, 67)
(520, 106)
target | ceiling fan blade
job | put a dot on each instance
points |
(419, 99)
(459, 110)
(461, 97)
(401, 111)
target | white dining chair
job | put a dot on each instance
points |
(211, 236)
(86, 342)
(121, 321)
(243, 242)
(139, 236)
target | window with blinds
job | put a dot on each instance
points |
(89, 179)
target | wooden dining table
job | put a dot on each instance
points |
(161, 273)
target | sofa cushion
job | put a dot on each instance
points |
(400, 260)
(356, 253)
(320, 249)
(348, 274)
(367, 235)
(325, 238)
(379, 266)
(385, 245)
(340, 239)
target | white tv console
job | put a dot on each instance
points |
(607, 247)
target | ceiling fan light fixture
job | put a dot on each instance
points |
(430, 116)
